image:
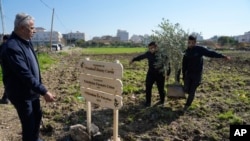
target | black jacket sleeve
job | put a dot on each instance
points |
(210, 53)
(140, 57)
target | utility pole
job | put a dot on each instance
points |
(1, 10)
(51, 30)
(70, 37)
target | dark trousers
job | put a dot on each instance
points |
(30, 115)
(191, 83)
(151, 78)
(5, 97)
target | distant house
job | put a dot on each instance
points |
(44, 38)
(74, 36)
(243, 38)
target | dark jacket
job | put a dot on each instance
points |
(152, 59)
(192, 62)
(1, 48)
(18, 72)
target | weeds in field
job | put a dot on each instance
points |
(230, 117)
(45, 61)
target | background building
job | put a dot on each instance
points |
(122, 35)
(243, 38)
(44, 38)
(72, 37)
(143, 39)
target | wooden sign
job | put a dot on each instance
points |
(102, 98)
(104, 69)
(98, 80)
(113, 86)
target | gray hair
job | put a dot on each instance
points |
(22, 19)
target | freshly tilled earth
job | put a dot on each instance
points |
(222, 99)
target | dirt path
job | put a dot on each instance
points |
(9, 123)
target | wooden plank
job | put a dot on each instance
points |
(101, 98)
(88, 103)
(113, 86)
(104, 69)
(115, 125)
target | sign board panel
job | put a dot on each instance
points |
(104, 69)
(113, 86)
(103, 99)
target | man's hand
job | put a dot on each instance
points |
(227, 57)
(130, 62)
(166, 77)
(49, 97)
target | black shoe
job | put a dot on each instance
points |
(185, 108)
(147, 104)
(160, 103)
(4, 101)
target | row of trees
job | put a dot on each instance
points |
(227, 41)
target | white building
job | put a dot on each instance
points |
(136, 38)
(74, 36)
(140, 39)
(42, 37)
(146, 39)
(243, 38)
(122, 35)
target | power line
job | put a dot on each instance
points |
(46, 5)
(57, 17)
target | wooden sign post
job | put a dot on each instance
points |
(101, 84)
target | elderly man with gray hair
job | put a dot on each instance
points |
(22, 78)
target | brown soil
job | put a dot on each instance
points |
(137, 123)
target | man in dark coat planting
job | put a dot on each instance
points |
(192, 67)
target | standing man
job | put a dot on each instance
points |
(192, 67)
(21, 77)
(4, 99)
(154, 74)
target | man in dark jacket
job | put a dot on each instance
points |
(192, 67)
(21, 77)
(4, 99)
(154, 74)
